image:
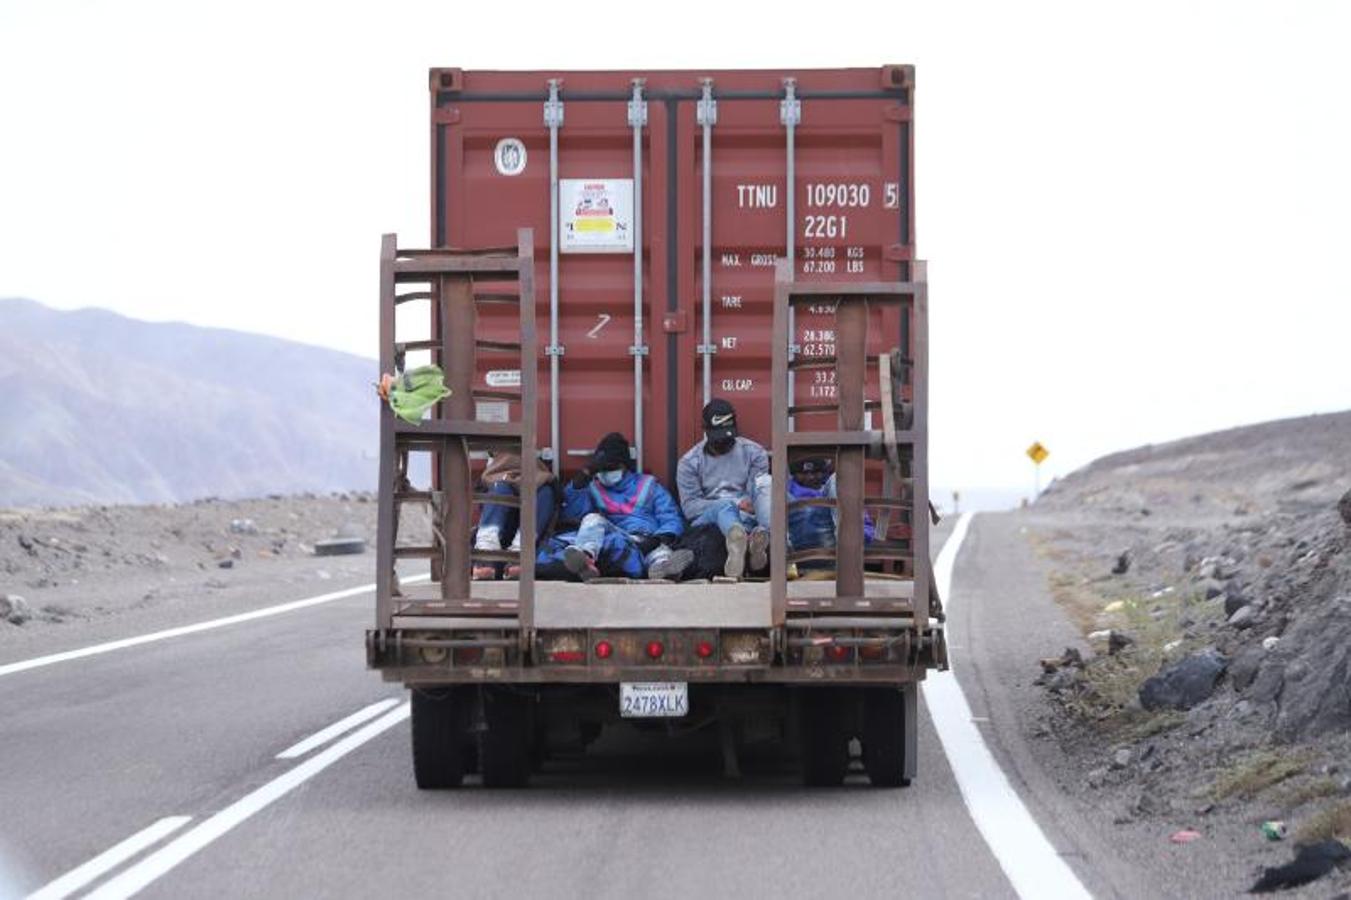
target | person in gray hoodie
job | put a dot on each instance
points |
(724, 480)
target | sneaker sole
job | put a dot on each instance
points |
(672, 566)
(574, 560)
(759, 549)
(736, 553)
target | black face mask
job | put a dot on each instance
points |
(722, 445)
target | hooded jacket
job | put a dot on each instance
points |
(814, 526)
(638, 505)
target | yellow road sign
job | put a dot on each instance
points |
(1037, 453)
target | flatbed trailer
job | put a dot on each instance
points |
(503, 673)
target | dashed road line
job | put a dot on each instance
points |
(109, 859)
(159, 863)
(340, 727)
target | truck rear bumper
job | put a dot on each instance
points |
(879, 676)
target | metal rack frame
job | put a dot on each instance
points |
(905, 450)
(454, 281)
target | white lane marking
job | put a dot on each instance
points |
(96, 649)
(340, 727)
(157, 864)
(1032, 865)
(109, 859)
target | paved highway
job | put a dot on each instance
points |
(154, 769)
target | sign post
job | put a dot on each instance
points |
(1037, 453)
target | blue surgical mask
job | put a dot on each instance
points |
(611, 478)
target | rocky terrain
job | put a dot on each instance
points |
(99, 408)
(1212, 580)
(170, 562)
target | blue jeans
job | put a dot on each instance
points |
(605, 541)
(506, 520)
(726, 512)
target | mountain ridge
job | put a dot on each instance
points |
(96, 407)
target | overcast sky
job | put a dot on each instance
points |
(1137, 218)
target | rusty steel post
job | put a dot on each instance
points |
(919, 464)
(525, 256)
(851, 361)
(778, 527)
(456, 295)
(385, 513)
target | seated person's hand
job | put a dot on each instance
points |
(745, 505)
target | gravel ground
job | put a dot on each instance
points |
(169, 563)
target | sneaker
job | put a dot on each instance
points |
(488, 539)
(579, 562)
(516, 542)
(736, 552)
(792, 572)
(484, 573)
(670, 565)
(759, 550)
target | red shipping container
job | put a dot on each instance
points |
(816, 164)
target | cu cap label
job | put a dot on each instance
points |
(509, 156)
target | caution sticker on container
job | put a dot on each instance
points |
(596, 215)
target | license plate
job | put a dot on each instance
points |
(654, 699)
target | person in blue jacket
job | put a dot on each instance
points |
(812, 478)
(628, 521)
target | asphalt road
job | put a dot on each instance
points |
(93, 751)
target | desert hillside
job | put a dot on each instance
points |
(1212, 580)
(98, 408)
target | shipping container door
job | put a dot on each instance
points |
(497, 178)
(851, 207)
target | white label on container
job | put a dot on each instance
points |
(504, 378)
(492, 411)
(595, 215)
(509, 156)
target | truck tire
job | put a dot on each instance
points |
(507, 739)
(439, 729)
(823, 737)
(885, 748)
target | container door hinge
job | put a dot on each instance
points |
(638, 350)
(706, 113)
(790, 107)
(553, 107)
(553, 349)
(707, 349)
(637, 105)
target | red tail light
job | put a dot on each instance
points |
(655, 649)
(468, 656)
(568, 656)
(704, 649)
(604, 649)
(837, 653)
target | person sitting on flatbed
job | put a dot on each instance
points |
(499, 522)
(811, 478)
(724, 480)
(628, 521)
